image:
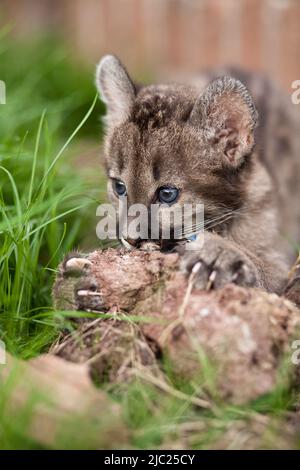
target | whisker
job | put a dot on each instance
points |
(209, 220)
(206, 223)
(194, 228)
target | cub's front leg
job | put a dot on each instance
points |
(217, 262)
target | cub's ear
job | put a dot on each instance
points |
(227, 115)
(116, 89)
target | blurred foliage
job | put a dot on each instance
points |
(43, 74)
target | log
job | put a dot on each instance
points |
(230, 342)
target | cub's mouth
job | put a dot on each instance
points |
(163, 245)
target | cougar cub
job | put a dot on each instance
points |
(202, 143)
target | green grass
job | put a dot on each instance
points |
(44, 202)
(47, 208)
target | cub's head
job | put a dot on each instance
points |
(169, 146)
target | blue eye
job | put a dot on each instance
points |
(167, 195)
(119, 188)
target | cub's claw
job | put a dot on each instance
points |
(74, 264)
(77, 264)
(218, 263)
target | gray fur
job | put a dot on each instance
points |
(202, 141)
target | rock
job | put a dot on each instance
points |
(59, 399)
(242, 333)
(230, 341)
(111, 348)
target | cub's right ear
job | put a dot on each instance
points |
(116, 89)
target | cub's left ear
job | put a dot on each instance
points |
(227, 115)
(116, 89)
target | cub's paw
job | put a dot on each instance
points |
(218, 263)
(75, 287)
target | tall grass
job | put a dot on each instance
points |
(44, 201)
(41, 220)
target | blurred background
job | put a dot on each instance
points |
(153, 37)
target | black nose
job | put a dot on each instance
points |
(136, 242)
